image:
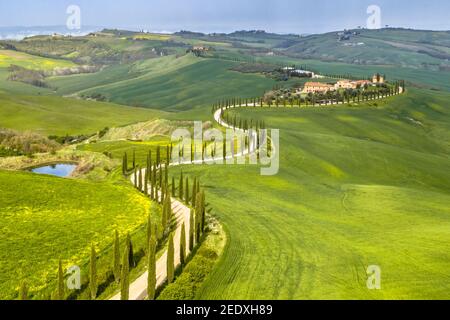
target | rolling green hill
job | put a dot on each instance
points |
(61, 221)
(60, 116)
(400, 47)
(175, 84)
(357, 186)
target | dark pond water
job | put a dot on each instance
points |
(58, 170)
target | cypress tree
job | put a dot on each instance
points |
(160, 177)
(158, 156)
(149, 228)
(146, 183)
(93, 274)
(116, 261)
(134, 159)
(173, 185)
(23, 291)
(167, 156)
(180, 190)
(203, 210)
(125, 164)
(61, 283)
(187, 191)
(197, 232)
(183, 245)
(224, 150)
(152, 188)
(151, 269)
(194, 185)
(191, 230)
(130, 251)
(166, 175)
(140, 179)
(170, 260)
(124, 277)
(164, 216)
(155, 191)
(169, 211)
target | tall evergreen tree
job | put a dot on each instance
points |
(191, 230)
(134, 159)
(194, 186)
(61, 284)
(158, 155)
(23, 291)
(186, 198)
(166, 175)
(173, 186)
(116, 258)
(140, 179)
(149, 228)
(183, 245)
(125, 164)
(151, 269)
(160, 177)
(124, 277)
(146, 182)
(170, 260)
(167, 156)
(130, 251)
(203, 210)
(164, 218)
(93, 274)
(180, 189)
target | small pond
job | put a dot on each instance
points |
(62, 170)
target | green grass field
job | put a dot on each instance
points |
(60, 116)
(118, 148)
(357, 187)
(8, 57)
(171, 84)
(61, 221)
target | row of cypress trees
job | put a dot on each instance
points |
(123, 263)
(311, 100)
(156, 177)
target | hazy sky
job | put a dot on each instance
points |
(283, 16)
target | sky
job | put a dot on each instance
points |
(280, 16)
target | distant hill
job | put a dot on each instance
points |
(19, 33)
(402, 47)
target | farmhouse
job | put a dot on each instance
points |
(378, 79)
(200, 48)
(347, 84)
(362, 83)
(313, 87)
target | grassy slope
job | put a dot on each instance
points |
(405, 48)
(60, 116)
(356, 187)
(8, 57)
(118, 149)
(181, 84)
(59, 221)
